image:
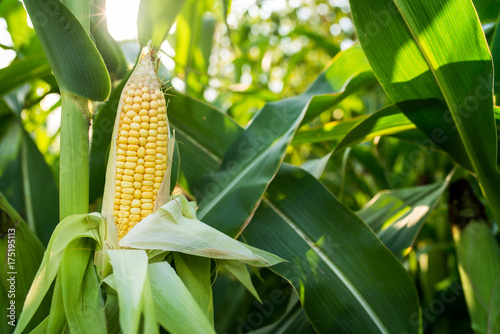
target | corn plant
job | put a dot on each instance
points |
(361, 199)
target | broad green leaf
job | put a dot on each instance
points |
(73, 57)
(345, 277)
(254, 158)
(293, 321)
(109, 49)
(450, 62)
(240, 272)
(112, 314)
(150, 322)
(384, 122)
(23, 70)
(203, 134)
(22, 180)
(174, 227)
(488, 10)
(81, 292)
(316, 167)
(194, 271)
(332, 131)
(155, 19)
(397, 216)
(22, 253)
(176, 309)
(130, 271)
(69, 229)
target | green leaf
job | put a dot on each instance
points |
(176, 309)
(450, 63)
(155, 19)
(174, 227)
(194, 271)
(332, 131)
(398, 215)
(57, 316)
(69, 229)
(345, 277)
(73, 57)
(316, 167)
(22, 253)
(21, 183)
(129, 271)
(80, 288)
(23, 70)
(487, 10)
(240, 272)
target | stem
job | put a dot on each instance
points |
(74, 162)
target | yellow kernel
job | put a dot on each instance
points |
(149, 158)
(145, 118)
(134, 218)
(141, 152)
(124, 207)
(153, 112)
(157, 185)
(122, 146)
(158, 162)
(132, 85)
(162, 130)
(122, 220)
(137, 100)
(126, 120)
(149, 171)
(158, 179)
(136, 119)
(132, 147)
(127, 196)
(153, 126)
(133, 141)
(131, 114)
(122, 140)
(126, 184)
(159, 173)
(153, 119)
(145, 105)
(137, 185)
(131, 153)
(144, 132)
(139, 169)
(140, 162)
(149, 164)
(125, 202)
(153, 105)
(158, 93)
(151, 139)
(133, 133)
(130, 165)
(125, 127)
(147, 206)
(128, 171)
(137, 193)
(148, 187)
(143, 112)
(128, 190)
(127, 178)
(145, 125)
(138, 92)
(146, 213)
(142, 141)
(146, 97)
(117, 200)
(136, 203)
(151, 145)
(154, 96)
(132, 159)
(148, 177)
(145, 89)
(162, 123)
(153, 132)
(120, 164)
(159, 156)
(162, 137)
(129, 100)
(146, 200)
(120, 157)
(135, 126)
(150, 151)
(136, 211)
(161, 143)
(138, 177)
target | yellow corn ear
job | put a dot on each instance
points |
(138, 157)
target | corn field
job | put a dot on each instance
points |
(218, 166)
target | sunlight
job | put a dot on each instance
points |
(122, 18)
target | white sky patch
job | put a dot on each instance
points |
(6, 56)
(122, 18)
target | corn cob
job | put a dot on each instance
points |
(141, 135)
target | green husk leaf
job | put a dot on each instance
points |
(240, 272)
(129, 271)
(173, 227)
(176, 309)
(69, 229)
